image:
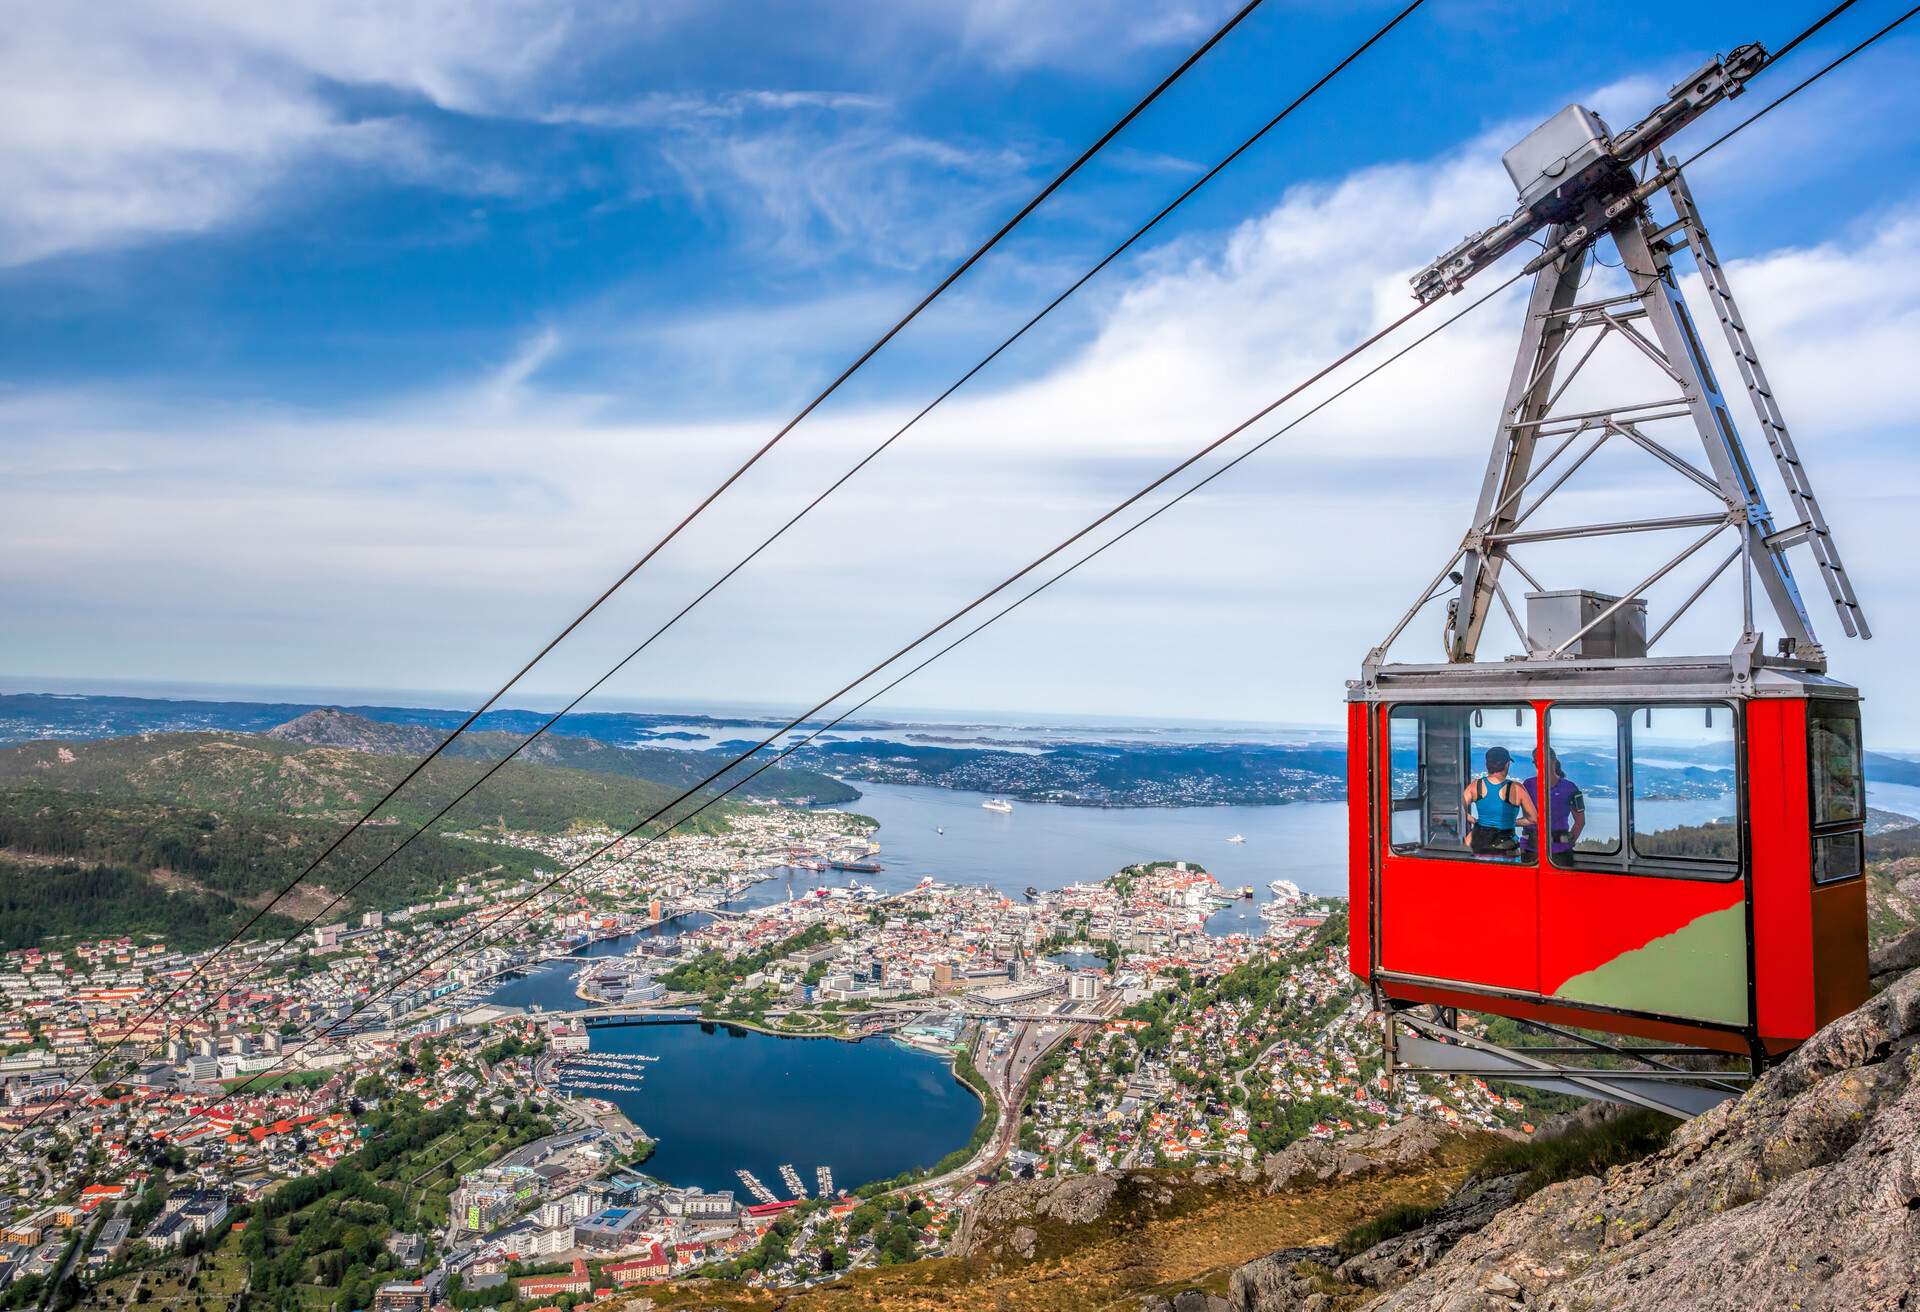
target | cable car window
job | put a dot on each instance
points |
(1455, 774)
(1839, 790)
(1583, 795)
(1833, 750)
(1684, 803)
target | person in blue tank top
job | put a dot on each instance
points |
(1495, 803)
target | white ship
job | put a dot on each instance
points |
(1237, 838)
(999, 804)
(1285, 890)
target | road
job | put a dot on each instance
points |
(1008, 1075)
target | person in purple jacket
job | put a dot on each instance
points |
(1565, 810)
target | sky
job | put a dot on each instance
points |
(360, 346)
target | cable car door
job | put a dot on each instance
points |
(1445, 911)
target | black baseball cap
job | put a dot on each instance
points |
(1498, 758)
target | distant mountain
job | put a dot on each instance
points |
(1090, 774)
(260, 775)
(670, 767)
(327, 727)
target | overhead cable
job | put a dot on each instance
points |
(941, 287)
(348, 888)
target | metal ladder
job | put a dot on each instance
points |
(1812, 527)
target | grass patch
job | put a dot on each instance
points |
(1589, 1150)
(1397, 1220)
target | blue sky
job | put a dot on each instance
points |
(361, 347)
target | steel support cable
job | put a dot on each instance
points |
(1812, 28)
(1771, 105)
(1802, 84)
(527, 741)
(766, 742)
(1029, 595)
(940, 288)
(1718, 141)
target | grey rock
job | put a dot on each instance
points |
(1393, 1260)
(1274, 1283)
(1013, 1208)
(1900, 954)
(1316, 1161)
(1195, 1300)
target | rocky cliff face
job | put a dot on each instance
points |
(1804, 1193)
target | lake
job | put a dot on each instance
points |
(721, 1100)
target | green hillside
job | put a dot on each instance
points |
(185, 835)
(248, 773)
(83, 865)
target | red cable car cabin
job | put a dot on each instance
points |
(1697, 876)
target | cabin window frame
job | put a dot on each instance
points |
(1628, 858)
(1417, 712)
(1847, 834)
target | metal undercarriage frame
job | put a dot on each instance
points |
(1648, 1076)
(1538, 447)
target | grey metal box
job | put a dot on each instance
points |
(1556, 152)
(1554, 617)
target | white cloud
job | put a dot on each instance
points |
(426, 541)
(120, 122)
(1014, 34)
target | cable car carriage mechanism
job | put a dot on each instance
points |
(1589, 836)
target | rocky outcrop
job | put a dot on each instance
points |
(1003, 1222)
(1383, 1148)
(1319, 1279)
(1895, 958)
(1804, 1193)
(330, 728)
(1190, 1300)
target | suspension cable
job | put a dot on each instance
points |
(347, 890)
(466, 724)
(764, 743)
(564, 874)
(619, 840)
(1803, 83)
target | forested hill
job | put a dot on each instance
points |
(82, 865)
(261, 774)
(183, 835)
(1102, 774)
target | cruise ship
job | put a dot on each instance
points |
(1237, 838)
(1285, 890)
(999, 804)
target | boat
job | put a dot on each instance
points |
(1032, 892)
(1237, 838)
(940, 829)
(1000, 804)
(1285, 890)
(1246, 890)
